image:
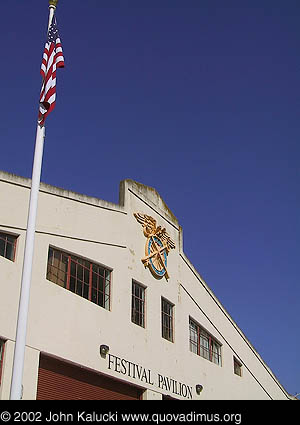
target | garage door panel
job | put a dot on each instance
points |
(61, 381)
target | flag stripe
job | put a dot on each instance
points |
(52, 59)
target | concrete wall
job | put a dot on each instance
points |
(69, 327)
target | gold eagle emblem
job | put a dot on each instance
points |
(158, 245)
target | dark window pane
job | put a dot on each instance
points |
(167, 320)
(79, 287)
(50, 255)
(94, 280)
(237, 367)
(73, 268)
(2, 247)
(101, 284)
(86, 275)
(9, 251)
(11, 239)
(94, 296)
(100, 299)
(86, 291)
(57, 255)
(7, 246)
(79, 272)
(65, 259)
(72, 283)
(137, 304)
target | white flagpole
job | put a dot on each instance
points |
(19, 354)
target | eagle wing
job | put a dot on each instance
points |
(166, 239)
(148, 223)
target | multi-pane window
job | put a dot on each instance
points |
(1, 357)
(203, 344)
(84, 278)
(237, 367)
(138, 304)
(8, 246)
(167, 320)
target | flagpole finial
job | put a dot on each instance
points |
(53, 3)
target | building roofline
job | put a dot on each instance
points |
(231, 320)
(60, 192)
(153, 199)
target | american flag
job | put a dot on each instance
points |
(52, 59)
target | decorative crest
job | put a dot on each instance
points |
(158, 245)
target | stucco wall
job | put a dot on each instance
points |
(69, 327)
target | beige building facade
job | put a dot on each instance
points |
(117, 311)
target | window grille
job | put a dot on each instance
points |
(138, 304)
(84, 278)
(237, 367)
(8, 246)
(203, 344)
(167, 320)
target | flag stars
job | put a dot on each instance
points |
(53, 32)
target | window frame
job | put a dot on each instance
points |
(141, 301)
(209, 351)
(71, 260)
(167, 332)
(6, 242)
(237, 366)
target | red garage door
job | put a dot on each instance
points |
(61, 381)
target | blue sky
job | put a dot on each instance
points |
(199, 99)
